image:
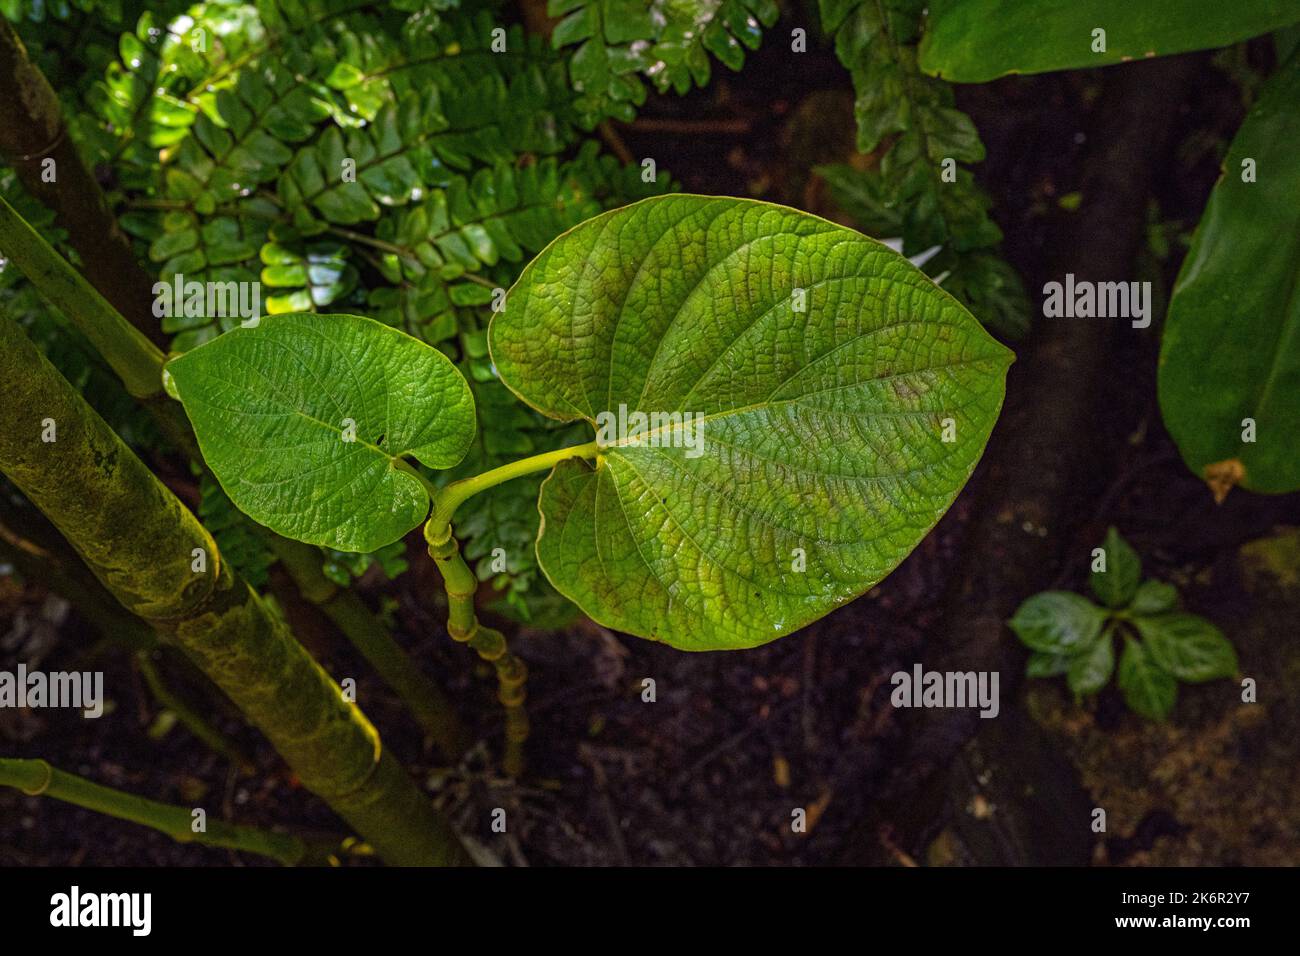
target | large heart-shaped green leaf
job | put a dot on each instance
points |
(973, 41)
(1231, 347)
(305, 420)
(843, 400)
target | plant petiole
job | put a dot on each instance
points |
(450, 497)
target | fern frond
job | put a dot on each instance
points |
(245, 143)
(74, 41)
(221, 249)
(411, 142)
(917, 189)
(142, 105)
(668, 42)
(502, 213)
(497, 218)
(173, 67)
(916, 114)
(306, 276)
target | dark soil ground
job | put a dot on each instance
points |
(711, 770)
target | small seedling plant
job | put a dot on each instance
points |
(1162, 645)
(781, 408)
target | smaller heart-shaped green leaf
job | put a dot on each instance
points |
(305, 420)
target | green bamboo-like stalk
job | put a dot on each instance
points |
(129, 353)
(38, 778)
(490, 644)
(142, 544)
(136, 360)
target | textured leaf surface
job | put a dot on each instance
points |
(1187, 646)
(1148, 690)
(973, 41)
(1088, 672)
(271, 407)
(1119, 582)
(1231, 347)
(1057, 622)
(1153, 597)
(822, 462)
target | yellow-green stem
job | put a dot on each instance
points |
(447, 499)
(462, 584)
(490, 645)
(38, 778)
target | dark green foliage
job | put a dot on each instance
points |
(342, 567)
(74, 41)
(669, 42)
(40, 218)
(242, 543)
(38, 11)
(917, 115)
(987, 285)
(911, 122)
